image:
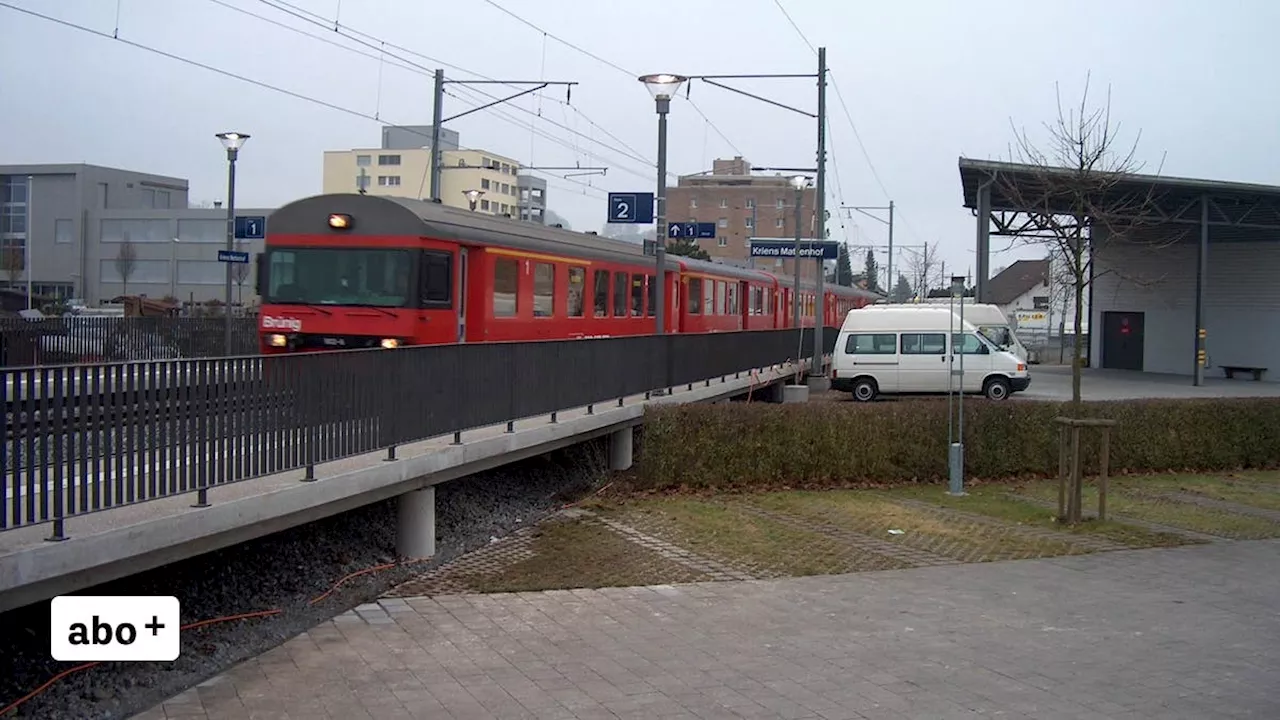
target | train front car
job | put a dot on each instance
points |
(347, 271)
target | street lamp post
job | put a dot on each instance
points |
(662, 86)
(232, 141)
(956, 447)
(473, 197)
(799, 182)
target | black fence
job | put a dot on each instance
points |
(79, 439)
(97, 339)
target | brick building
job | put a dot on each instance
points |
(742, 206)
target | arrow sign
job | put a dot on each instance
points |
(675, 230)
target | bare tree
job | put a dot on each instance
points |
(12, 262)
(922, 266)
(240, 273)
(126, 263)
(1072, 187)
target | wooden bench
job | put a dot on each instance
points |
(1231, 371)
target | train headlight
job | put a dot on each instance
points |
(277, 340)
(390, 343)
(340, 221)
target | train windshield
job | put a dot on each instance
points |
(375, 277)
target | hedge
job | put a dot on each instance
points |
(746, 444)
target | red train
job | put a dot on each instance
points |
(348, 271)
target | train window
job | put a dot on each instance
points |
(544, 289)
(435, 282)
(733, 299)
(637, 294)
(651, 303)
(709, 297)
(600, 279)
(620, 280)
(695, 296)
(505, 284)
(577, 287)
(720, 306)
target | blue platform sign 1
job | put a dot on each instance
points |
(631, 208)
(250, 227)
(825, 249)
(233, 256)
(691, 230)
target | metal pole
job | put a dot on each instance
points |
(660, 213)
(795, 269)
(437, 117)
(957, 447)
(1202, 267)
(173, 268)
(30, 236)
(820, 210)
(951, 328)
(231, 243)
(890, 281)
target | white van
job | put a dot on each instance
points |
(887, 350)
(989, 319)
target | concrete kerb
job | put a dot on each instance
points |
(39, 569)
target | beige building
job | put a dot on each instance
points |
(743, 206)
(405, 172)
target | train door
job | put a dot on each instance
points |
(462, 294)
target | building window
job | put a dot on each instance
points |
(505, 208)
(388, 159)
(780, 222)
(484, 204)
(505, 281)
(484, 183)
(781, 203)
(751, 223)
(724, 222)
(722, 241)
(389, 180)
(363, 160)
(1040, 302)
(724, 202)
(202, 230)
(506, 169)
(544, 289)
(693, 202)
(63, 231)
(751, 203)
(506, 189)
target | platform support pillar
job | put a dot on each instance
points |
(621, 444)
(416, 523)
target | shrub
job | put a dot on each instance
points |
(736, 444)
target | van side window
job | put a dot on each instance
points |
(924, 343)
(968, 345)
(868, 344)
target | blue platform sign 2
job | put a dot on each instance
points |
(825, 249)
(233, 256)
(631, 208)
(250, 227)
(691, 230)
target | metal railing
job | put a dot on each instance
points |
(78, 339)
(80, 439)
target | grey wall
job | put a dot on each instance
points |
(410, 137)
(1242, 303)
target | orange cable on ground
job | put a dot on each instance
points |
(202, 623)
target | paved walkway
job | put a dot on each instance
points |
(1191, 632)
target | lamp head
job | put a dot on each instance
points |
(957, 284)
(800, 182)
(663, 85)
(232, 140)
(473, 195)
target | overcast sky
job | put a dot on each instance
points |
(925, 81)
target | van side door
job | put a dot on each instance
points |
(923, 366)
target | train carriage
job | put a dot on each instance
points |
(349, 271)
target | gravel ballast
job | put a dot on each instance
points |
(285, 570)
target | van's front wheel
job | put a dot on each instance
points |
(865, 390)
(996, 389)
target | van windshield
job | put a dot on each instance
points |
(999, 335)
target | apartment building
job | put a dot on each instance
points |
(533, 198)
(406, 172)
(743, 206)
